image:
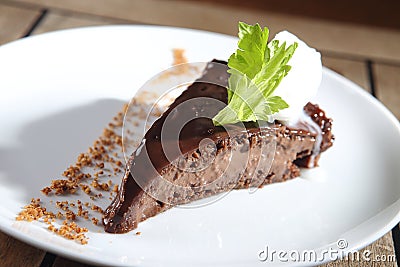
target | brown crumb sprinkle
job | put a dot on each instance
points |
(46, 190)
(100, 165)
(85, 188)
(103, 159)
(97, 208)
(84, 160)
(71, 231)
(115, 189)
(61, 187)
(179, 56)
(32, 211)
(95, 221)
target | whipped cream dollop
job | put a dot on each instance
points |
(301, 83)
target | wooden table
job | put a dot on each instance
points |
(369, 56)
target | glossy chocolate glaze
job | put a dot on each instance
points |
(197, 115)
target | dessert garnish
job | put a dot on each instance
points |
(256, 69)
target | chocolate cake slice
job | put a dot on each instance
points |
(211, 159)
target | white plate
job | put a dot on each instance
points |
(81, 77)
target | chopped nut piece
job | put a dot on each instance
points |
(95, 221)
(115, 189)
(86, 188)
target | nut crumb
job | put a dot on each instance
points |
(103, 159)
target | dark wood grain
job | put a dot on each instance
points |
(326, 35)
(387, 79)
(63, 262)
(15, 22)
(370, 12)
(18, 254)
(351, 69)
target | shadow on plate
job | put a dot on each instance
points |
(50, 144)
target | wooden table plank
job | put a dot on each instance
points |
(384, 14)
(371, 255)
(59, 21)
(15, 22)
(63, 262)
(19, 254)
(353, 70)
(351, 39)
(388, 86)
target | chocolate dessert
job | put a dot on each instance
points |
(211, 159)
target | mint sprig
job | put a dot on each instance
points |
(256, 69)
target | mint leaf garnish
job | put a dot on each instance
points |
(256, 69)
